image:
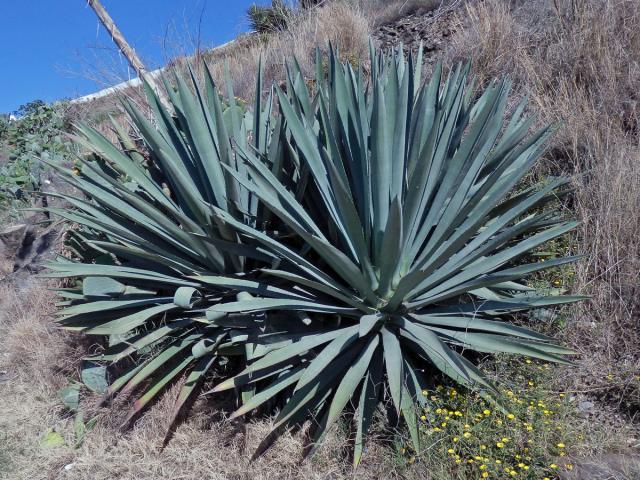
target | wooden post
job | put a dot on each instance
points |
(126, 49)
(118, 38)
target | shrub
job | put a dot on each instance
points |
(269, 19)
(37, 136)
(530, 439)
(350, 250)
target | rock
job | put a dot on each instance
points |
(585, 406)
(5, 377)
(420, 26)
(37, 246)
(11, 239)
(604, 467)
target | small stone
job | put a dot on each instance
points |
(11, 239)
(585, 406)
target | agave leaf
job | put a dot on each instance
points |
(191, 384)
(283, 381)
(345, 390)
(393, 364)
(369, 397)
(152, 391)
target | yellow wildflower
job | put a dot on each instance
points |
(500, 445)
(511, 416)
(466, 434)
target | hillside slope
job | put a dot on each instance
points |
(579, 62)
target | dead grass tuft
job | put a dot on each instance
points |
(31, 343)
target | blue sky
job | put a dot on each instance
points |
(54, 49)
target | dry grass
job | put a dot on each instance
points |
(579, 62)
(338, 23)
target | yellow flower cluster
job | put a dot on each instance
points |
(518, 438)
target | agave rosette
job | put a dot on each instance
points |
(406, 248)
(344, 249)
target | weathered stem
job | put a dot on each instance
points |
(117, 36)
(126, 49)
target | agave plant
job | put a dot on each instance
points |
(346, 249)
(146, 228)
(406, 248)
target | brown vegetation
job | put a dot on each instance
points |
(579, 62)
